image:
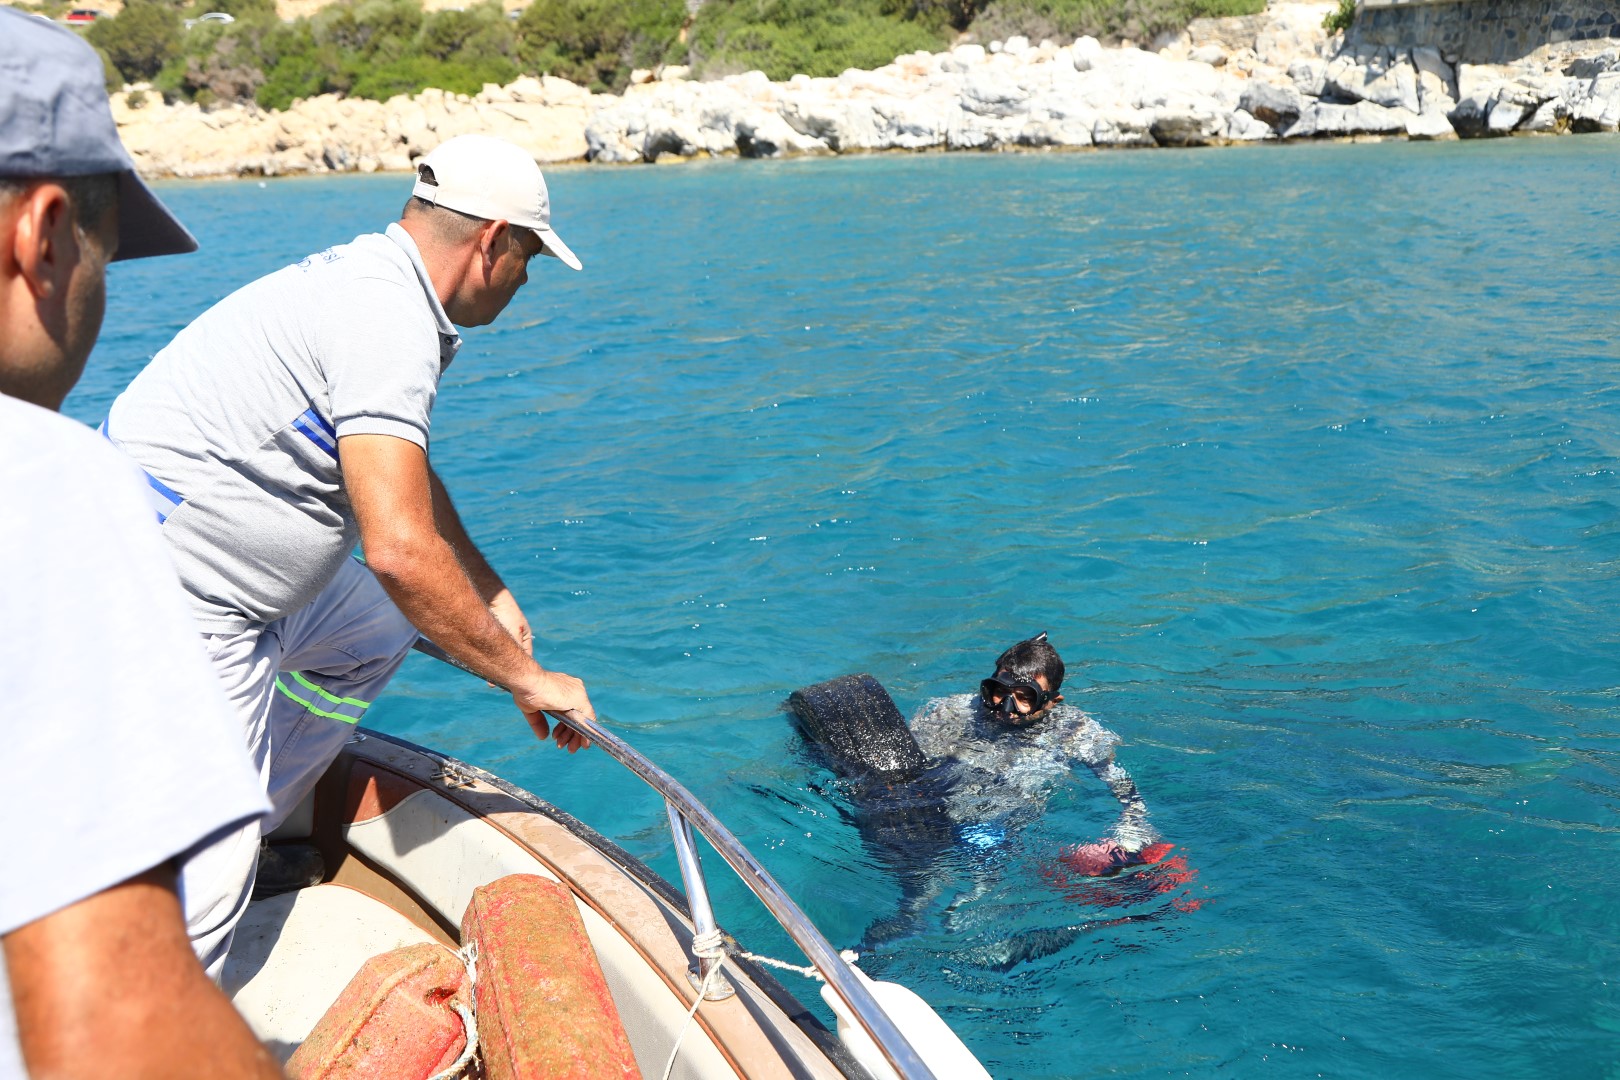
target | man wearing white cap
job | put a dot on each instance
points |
(290, 421)
(116, 791)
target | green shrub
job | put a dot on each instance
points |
(1107, 20)
(371, 30)
(51, 9)
(787, 37)
(596, 43)
(1340, 18)
(111, 76)
(240, 9)
(296, 66)
(413, 74)
(477, 35)
(140, 39)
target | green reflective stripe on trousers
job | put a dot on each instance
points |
(352, 717)
(307, 685)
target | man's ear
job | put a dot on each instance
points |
(492, 241)
(1056, 698)
(43, 245)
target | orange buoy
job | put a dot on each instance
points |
(544, 1011)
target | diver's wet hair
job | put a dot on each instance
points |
(1033, 657)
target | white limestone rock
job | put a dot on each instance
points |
(963, 58)
(608, 137)
(1085, 52)
(970, 131)
(993, 93)
(1382, 78)
(1291, 31)
(1585, 67)
(1309, 76)
(912, 124)
(1496, 108)
(1480, 79)
(1213, 55)
(1436, 80)
(1276, 106)
(1069, 129)
(1122, 126)
(1244, 127)
(1428, 126)
(1362, 118)
(843, 125)
(1511, 105)
(762, 133)
(1551, 117)
(1471, 114)
(1598, 109)
(1188, 120)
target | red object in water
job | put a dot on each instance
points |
(1154, 852)
(1095, 860)
(1079, 869)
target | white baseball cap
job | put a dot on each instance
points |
(492, 179)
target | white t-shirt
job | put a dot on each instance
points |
(122, 752)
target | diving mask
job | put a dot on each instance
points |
(1012, 695)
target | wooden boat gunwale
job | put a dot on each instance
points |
(456, 781)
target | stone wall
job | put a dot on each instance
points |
(1485, 31)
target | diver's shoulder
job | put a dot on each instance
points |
(1079, 726)
(940, 723)
(949, 705)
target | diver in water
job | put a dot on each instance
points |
(1008, 746)
(941, 801)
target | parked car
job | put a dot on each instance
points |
(212, 16)
(81, 17)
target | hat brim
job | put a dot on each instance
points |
(551, 244)
(145, 226)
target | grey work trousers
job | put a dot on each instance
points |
(300, 685)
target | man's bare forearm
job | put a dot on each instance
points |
(109, 986)
(401, 509)
(483, 576)
(427, 580)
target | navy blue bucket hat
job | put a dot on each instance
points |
(55, 123)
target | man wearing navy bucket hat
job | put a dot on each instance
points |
(291, 421)
(117, 791)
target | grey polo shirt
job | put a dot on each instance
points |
(236, 422)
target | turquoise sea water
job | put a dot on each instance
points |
(1304, 456)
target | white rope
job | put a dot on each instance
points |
(709, 946)
(849, 956)
(712, 946)
(468, 955)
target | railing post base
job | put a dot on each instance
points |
(720, 987)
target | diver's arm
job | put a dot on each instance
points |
(1132, 830)
(940, 724)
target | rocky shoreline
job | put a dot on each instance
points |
(1277, 76)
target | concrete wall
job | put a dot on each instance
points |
(1485, 31)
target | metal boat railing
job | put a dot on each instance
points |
(686, 813)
